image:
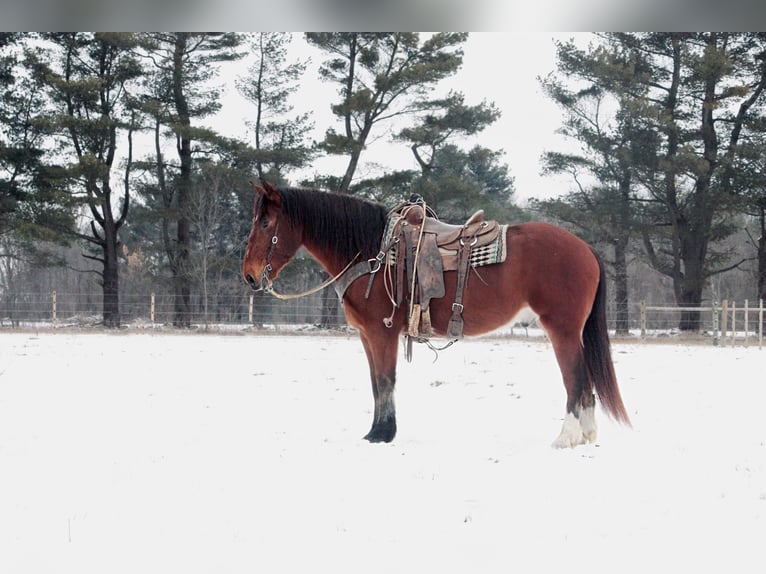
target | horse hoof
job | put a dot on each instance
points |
(571, 433)
(566, 442)
(372, 438)
(380, 435)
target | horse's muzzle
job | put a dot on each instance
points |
(254, 285)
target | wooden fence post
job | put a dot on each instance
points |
(747, 324)
(724, 319)
(760, 325)
(716, 334)
(151, 309)
(733, 323)
(642, 314)
(55, 304)
(250, 311)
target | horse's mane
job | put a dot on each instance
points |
(344, 224)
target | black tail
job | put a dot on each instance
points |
(598, 354)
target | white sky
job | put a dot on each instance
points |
(499, 67)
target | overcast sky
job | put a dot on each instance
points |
(381, 15)
(499, 67)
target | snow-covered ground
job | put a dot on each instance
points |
(158, 453)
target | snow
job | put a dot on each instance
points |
(158, 453)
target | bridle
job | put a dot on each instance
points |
(267, 285)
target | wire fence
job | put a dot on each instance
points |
(246, 309)
(721, 323)
(724, 323)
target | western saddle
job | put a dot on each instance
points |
(415, 252)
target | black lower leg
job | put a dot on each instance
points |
(384, 425)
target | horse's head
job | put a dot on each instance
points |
(273, 240)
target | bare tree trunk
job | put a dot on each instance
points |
(689, 284)
(111, 284)
(182, 316)
(762, 258)
(622, 326)
(111, 308)
(329, 319)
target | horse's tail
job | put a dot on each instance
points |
(598, 355)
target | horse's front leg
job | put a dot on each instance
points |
(382, 350)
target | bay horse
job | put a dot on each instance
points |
(547, 269)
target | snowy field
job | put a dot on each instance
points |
(157, 453)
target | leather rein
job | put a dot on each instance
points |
(267, 285)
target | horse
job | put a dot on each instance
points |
(547, 270)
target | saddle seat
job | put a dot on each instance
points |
(448, 236)
(449, 232)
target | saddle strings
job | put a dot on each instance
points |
(415, 261)
(388, 280)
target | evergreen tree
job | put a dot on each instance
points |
(34, 213)
(454, 181)
(181, 92)
(280, 140)
(683, 102)
(750, 188)
(597, 92)
(706, 87)
(87, 78)
(32, 204)
(381, 76)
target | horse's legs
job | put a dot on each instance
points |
(580, 423)
(382, 349)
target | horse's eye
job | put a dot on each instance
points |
(265, 222)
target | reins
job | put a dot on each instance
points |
(267, 285)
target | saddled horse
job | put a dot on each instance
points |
(546, 269)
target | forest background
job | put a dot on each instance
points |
(120, 175)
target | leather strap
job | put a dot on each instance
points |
(359, 270)
(455, 326)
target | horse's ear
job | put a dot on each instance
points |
(266, 190)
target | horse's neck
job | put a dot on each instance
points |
(329, 261)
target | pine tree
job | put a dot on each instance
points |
(455, 181)
(708, 84)
(683, 101)
(185, 64)
(87, 78)
(381, 76)
(597, 91)
(279, 138)
(750, 189)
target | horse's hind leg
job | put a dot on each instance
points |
(579, 423)
(381, 354)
